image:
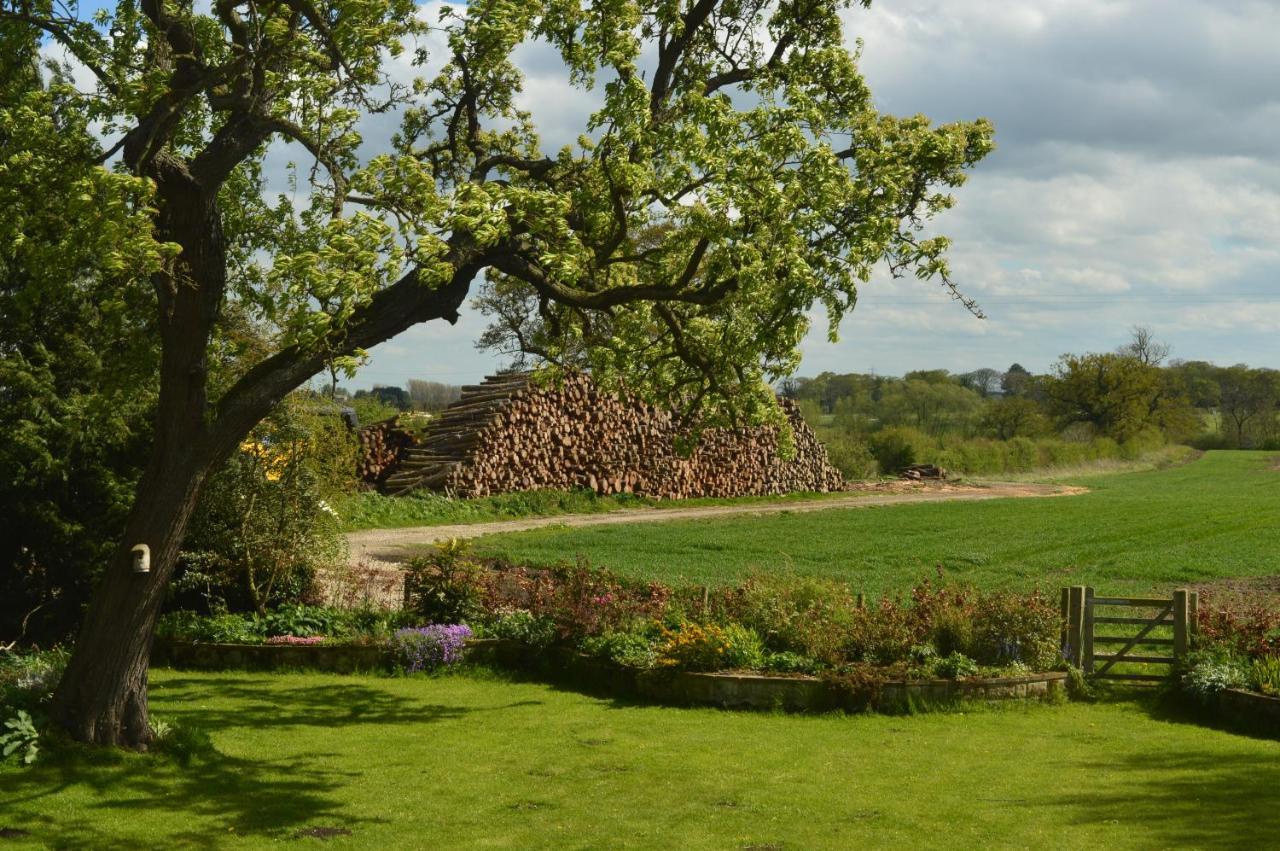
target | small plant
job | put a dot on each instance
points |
(300, 621)
(787, 662)
(20, 737)
(1207, 672)
(429, 647)
(1264, 675)
(955, 666)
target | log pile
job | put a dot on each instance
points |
(381, 446)
(507, 435)
(923, 472)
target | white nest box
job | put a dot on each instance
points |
(141, 558)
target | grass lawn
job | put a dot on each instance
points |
(1218, 516)
(471, 761)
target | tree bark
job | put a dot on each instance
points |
(102, 698)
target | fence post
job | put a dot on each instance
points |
(1075, 624)
(1086, 639)
(1193, 619)
(1065, 606)
(1181, 612)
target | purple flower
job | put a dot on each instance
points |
(425, 647)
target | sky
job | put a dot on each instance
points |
(1136, 181)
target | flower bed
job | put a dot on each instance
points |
(1234, 669)
(776, 640)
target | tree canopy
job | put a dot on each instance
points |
(735, 176)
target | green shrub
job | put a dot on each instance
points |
(447, 586)
(523, 626)
(1017, 628)
(264, 526)
(787, 662)
(895, 448)
(799, 614)
(636, 649)
(304, 622)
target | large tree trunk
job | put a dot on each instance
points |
(103, 695)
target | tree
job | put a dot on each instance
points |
(432, 395)
(1246, 395)
(1013, 416)
(1016, 381)
(985, 382)
(1119, 395)
(735, 173)
(1144, 347)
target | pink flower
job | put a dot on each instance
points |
(295, 640)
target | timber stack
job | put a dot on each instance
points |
(509, 435)
(381, 446)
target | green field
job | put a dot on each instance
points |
(471, 761)
(1218, 516)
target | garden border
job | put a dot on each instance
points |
(1249, 708)
(798, 693)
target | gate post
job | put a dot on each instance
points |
(1181, 620)
(1073, 598)
(1086, 639)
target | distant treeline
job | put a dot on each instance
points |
(1097, 405)
(385, 401)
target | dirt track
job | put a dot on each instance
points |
(377, 547)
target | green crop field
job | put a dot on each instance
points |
(470, 761)
(1215, 517)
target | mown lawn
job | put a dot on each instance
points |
(1216, 517)
(471, 761)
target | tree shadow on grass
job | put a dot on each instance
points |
(1183, 795)
(66, 799)
(259, 703)
(1182, 798)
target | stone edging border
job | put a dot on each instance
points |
(1249, 708)
(727, 690)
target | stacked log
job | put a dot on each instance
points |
(507, 435)
(381, 448)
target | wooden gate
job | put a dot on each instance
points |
(1081, 636)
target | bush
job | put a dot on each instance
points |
(523, 626)
(955, 666)
(896, 448)
(1013, 628)
(447, 586)
(303, 622)
(264, 526)
(1207, 672)
(710, 647)
(798, 614)
(635, 649)
(429, 647)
